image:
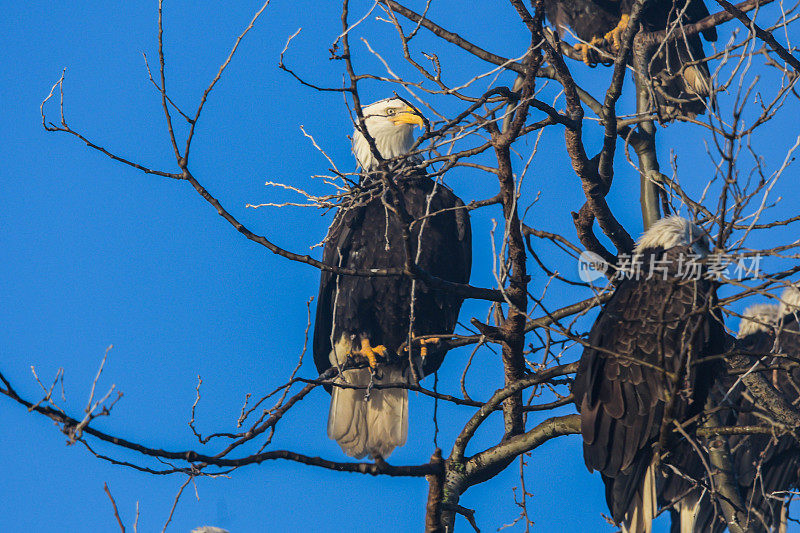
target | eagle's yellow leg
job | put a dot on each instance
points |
(585, 49)
(423, 345)
(371, 353)
(423, 348)
(614, 37)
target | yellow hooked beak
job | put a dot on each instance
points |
(408, 115)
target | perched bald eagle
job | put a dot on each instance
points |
(680, 83)
(642, 367)
(766, 466)
(367, 320)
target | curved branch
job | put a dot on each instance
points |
(519, 444)
(478, 418)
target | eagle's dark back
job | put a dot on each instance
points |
(367, 235)
(587, 18)
(361, 318)
(620, 391)
(595, 18)
(680, 83)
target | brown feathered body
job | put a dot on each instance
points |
(366, 234)
(641, 368)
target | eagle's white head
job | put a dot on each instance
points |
(391, 123)
(673, 231)
(790, 300)
(759, 317)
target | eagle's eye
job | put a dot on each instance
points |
(390, 112)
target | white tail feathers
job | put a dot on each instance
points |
(347, 416)
(373, 426)
(639, 518)
(688, 509)
(697, 80)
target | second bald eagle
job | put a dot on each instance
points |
(643, 368)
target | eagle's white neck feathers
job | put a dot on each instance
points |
(759, 317)
(393, 138)
(670, 232)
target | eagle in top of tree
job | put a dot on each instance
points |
(681, 79)
(368, 320)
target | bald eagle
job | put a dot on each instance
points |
(642, 368)
(367, 320)
(766, 466)
(681, 84)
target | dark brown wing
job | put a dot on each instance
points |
(343, 234)
(367, 235)
(697, 11)
(446, 252)
(620, 388)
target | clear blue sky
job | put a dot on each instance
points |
(96, 253)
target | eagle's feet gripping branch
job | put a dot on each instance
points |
(423, 345)
(614, 38)
(610, 42)
(371, 353)
(587, 50)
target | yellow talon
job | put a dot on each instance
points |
(585, 49)
(371, 353)
(423, 348)
(381, 350)
(614, 37)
